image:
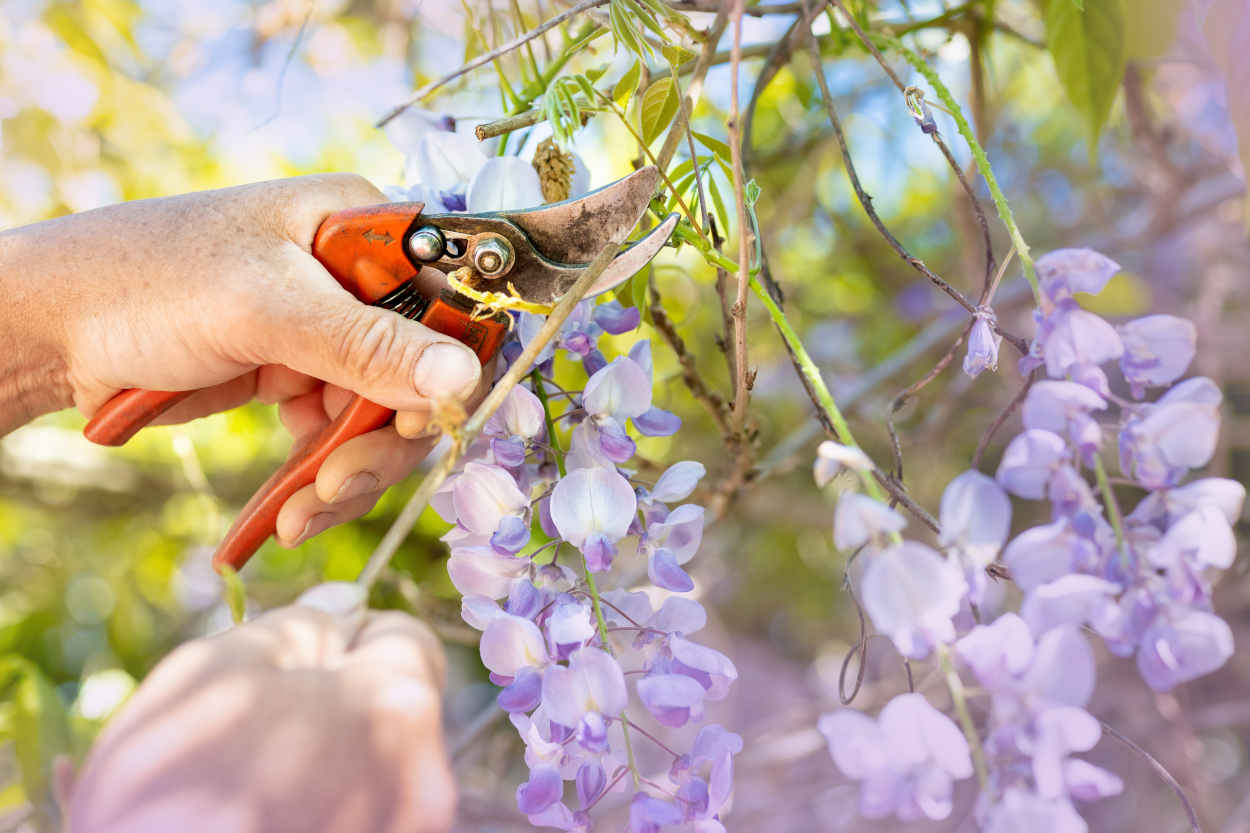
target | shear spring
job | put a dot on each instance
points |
(405, 300)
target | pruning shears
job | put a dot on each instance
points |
(494, 262)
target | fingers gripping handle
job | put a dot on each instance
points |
(259, 518)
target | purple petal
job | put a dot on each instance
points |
(614, 442)
(1157, 351)
(672, 699)
(678, 481)
(1073, 599)
(657, 423)
(975, 517)
(998, 651)
(1079, 337)
(592, 502)
(664, 571)
(621, 390)
(592, 733)
(712, 669)
(910, 722)
(509, 452)
(1178, 649)
(982, 348)
(542, 790)
(513, 534)
(1086, 782)
(859, 518)
(520, 415)
(681, 531)
(1029, 462)
(591, 779)
(856, 743)
(511, 643)
(592, 682)
(483, 495)
(617, 319)
(1063, 668)
(598, 551)
(648, 815)
(912, 594)
(593, 362)
(1066, 271)
(524, 692)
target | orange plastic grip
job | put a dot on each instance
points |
(259, 518)
(122, 416)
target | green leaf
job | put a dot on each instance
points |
(659, 106)
(715, 145)
(676, 55)
(595, 73)
(40, 724)
(718, 204)
(752, 192)
(628, 84)
(236, 593)
(1088, 50)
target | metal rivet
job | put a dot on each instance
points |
(492, 256)
(427, 243)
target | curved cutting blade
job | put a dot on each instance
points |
(574, 231)
(638, 255)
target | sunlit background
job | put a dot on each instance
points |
(104, 552)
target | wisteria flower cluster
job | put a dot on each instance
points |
(1141, 581)
(547, 544)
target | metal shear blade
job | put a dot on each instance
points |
(551, 245)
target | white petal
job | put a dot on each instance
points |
(678, 481)
(859, 517)
(911, 594)
(503, 183)
(975, 517)
(444, 161)
(511, 643)
(592, 501)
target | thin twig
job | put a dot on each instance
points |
(867, 41)
(699, 388)
(473, 427)
(1163, 773)
(742, 373)
(1002, 417)
(529, 118)
(515, 43)
(864, 199)
(911, 390)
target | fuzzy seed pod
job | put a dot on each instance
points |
(555, 171)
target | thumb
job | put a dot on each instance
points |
(375, 352)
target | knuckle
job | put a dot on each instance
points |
(372, 349)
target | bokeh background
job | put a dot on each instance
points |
(104, 553)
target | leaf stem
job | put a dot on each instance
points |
(960, 701)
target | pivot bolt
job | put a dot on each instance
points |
(427, 244)
(492, 257)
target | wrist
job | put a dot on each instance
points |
(34, 377)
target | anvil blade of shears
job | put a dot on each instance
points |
(551, 245)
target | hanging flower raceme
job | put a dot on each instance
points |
(584, 665)
(1140, 581)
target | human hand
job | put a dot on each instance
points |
(218, 291)
(298, 721)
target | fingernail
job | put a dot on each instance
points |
(317, 523)
(446, 369)
(358, 484)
